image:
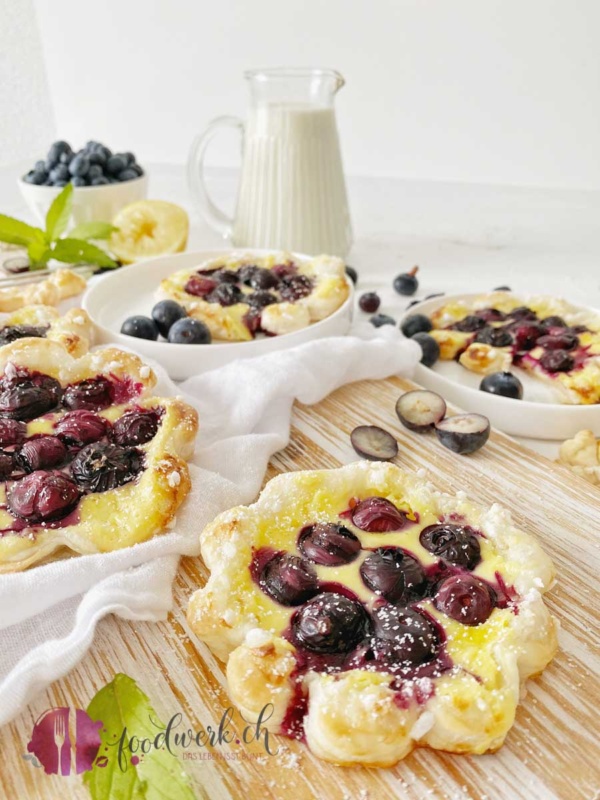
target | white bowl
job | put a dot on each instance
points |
(90, 203)
(534, 417)
(113, 297)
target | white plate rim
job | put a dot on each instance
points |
(202, 256)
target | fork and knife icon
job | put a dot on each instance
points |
(62, 737)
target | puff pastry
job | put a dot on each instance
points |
(375, 613)
(74, 330)
(553, 340)
(240, 296)
(90, 460)
(582, 455)
(59, 285)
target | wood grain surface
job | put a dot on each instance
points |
(552, 752)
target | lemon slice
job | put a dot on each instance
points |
(149, 228)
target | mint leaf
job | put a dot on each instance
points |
(14, 231)
(39, 254)
(158, 775)
(59, 213)
(92, 230)
(76, 251)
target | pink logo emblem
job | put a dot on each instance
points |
(65, 741)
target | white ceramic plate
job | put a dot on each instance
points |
(132, 290)
(536, 416)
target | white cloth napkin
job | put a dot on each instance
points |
(48, 613)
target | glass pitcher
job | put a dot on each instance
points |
(292, 192)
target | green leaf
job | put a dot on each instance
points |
(14, 231)
(92, 230)
(59, 213)
(123, 707)
(39, 254)
(76, 251)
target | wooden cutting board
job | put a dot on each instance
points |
(552, 752)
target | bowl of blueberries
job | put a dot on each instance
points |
(103, 182)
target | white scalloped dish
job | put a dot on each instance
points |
(540, 414)
(135, 290)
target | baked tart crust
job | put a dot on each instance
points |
(356, 711)
(303, 291)
(59, 285)
(553, 340)
(106, 517)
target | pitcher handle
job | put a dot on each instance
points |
(216, 218)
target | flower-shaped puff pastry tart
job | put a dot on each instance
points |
(59, 285)
(74, 330)
(553, 340)
(375, 613)
(240, 296)
(582, 455)
(90, 461)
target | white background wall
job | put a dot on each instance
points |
(503, 91)
(26, 117)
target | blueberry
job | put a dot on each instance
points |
(189, 331)
(57, 150)
(59, 173)
(406, 283)
(60, 183)
(79, 165)
(465, 598)
(140, 327)
(77, 180)
(116, 164)
(289, 579)
(330, 623)
(66, 158)
(382, 319)
(420, 409)
(127, 175)
(40, 166)
(457, 544)
(470, 324)
(129, 157)
(369, 302)
(226, 294)
(328, 544)
(95, 171)
(463, 433)
(394, 574)
(165, 314)
(496, 337)
(557, 361)
(503, 383)
(91, 145)
(101, 181)
(416, 323)
(429, 347)
(352, 274)
(97, 158)
(37, 178)
(136, 168)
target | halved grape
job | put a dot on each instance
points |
(394, 574)
(420, 410)
(465, 598)
(328, 544)
(330, 623)
(463, 433)
(374, 443)
(288, 579)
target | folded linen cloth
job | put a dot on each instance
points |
(48, 614)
